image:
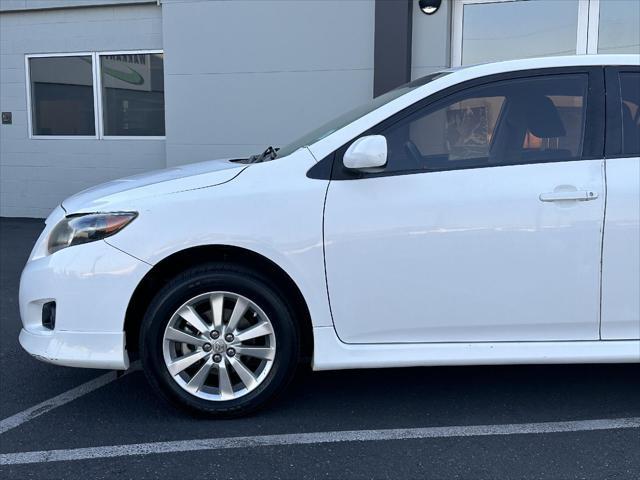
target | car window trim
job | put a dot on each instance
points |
(592, 142)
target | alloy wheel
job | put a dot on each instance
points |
(219, 346)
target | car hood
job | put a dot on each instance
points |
(160, 182)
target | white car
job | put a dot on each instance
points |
(483, 215)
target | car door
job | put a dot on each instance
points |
(486, 223)
(621, 249)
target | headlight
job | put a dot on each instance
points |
(84, 228)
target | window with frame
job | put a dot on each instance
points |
(493, 30)
(62, 96)
(509, 122)
(100, 95)
(132, 94)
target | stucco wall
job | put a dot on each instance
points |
(431, 46)
(241, 75)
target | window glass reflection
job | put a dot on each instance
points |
(510, 122)
(619, 29)
(630, 91)
(62, 95)
(133, 94)
(518, 29)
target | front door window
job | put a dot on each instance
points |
(517, 121)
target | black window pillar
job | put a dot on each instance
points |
(392, 45)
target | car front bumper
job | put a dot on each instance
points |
(92, 285)
(77, 349)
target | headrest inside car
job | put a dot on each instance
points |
(541, 116)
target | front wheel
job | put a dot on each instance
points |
(219, 340)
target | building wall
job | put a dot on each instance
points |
(242, 75)
(36, 174)
(431, 46)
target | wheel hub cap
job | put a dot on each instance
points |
(219, 346)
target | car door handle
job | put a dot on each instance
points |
(576, 195)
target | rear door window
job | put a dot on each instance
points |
(630, 110)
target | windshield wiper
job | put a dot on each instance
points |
(270, 153)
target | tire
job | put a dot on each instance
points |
(226, 390)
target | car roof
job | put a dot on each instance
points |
(505, 66)
(457, 75)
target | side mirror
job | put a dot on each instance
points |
(366, 152)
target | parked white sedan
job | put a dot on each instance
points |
(484, 215)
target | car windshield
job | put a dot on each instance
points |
(351, 116)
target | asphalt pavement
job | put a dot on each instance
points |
(125, 412)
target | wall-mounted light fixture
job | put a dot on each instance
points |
(429, 6)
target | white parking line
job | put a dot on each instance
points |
(314, 438)
(59, 400)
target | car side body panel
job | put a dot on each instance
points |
(272, 209)
(621, 251)
(466, 255)
(332, 354)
